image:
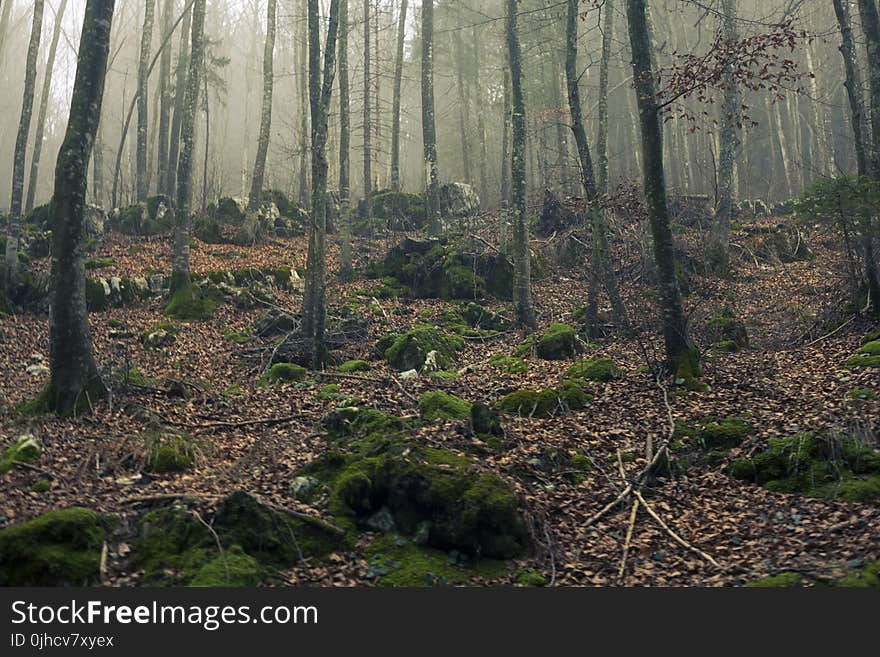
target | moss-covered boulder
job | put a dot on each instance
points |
(349, 421)
(26, 449)
(485, 420)
(401, 211)
(439, 405)
(816, 466)
(594, 369)
(509, 364)
(59, 548)
(546, 403)
(352, 366)
(283, 372)
(714, 433)
(410, 351)
(231, 568)
(435, 493)
(167, 451)
(727, 332)
(866, 357)
(559, 342)
(192, 303)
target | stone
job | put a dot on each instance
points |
(37, 370)
(381, 521)
(304, 489)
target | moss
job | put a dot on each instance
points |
(286, 372)
(574, 396)
(329, 392)
(862, 393)
(559, 342)
(382, 344)
(439, 405)
(99, 263)
(27, 449)
(530, 577)
(527, 346)
(45, 401)
(509, 364)
(354, 366)
(485, 421)
(171, 546)
(410, 350)
(716, 433)
(59, 548)
(873, 336)
(41, 486)
(232, 568)
(191, 303)
(726, 329)
(530, 403)
(594, 369)
(870, 348)
(867, 577)
(238, 338)
(351, 421)
(857, 362)
(168, 451)
(784, 580)
(137, 377)
(97, 298)
(728, 346)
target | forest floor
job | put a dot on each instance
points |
(255, 438)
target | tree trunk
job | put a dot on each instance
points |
(395, 103)
(463, 100)
(368, 121)
(304, 120)
(320, 94)
(481, 114)
(522, 286)
(506, 127)
(165, 101)
(24, 127)
(74, 378)
(604, 69)
(179, 96)
(44, 105)
(719, 246)
(183, 208)
(429, 129)
(98, 167)
(681, 355)
(143, 182)
(266, 115)
(345, 266)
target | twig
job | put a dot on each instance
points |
(31, 466)
(825, 337)
(216, 539)
(675, 536)
(629, 534)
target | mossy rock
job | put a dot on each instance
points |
(594, 369)
(402, 211)
(466, 510)
(530, 577)
(330, 392)
(232, 568)
(191, 303)
(531, 403)
(171, 546)
(728, 332)
(861, 361)
(830, 467)
(209, 231)
(716, 433)
(479, 317)
(283, 372)
(169, 451)
(59, 548)
(866, 577)
(97, 295)
(509, 364)
(439, 405)
(410, 350)
(784, 580)
(485, 421)
(349, 421)
(27, 449)
(862, 393)
(352, 366)
(559, 342)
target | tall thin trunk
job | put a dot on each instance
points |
(165, 101)
(681, 355)
(429, 129)
(506, 127)
(266, 116)
(368, 121)
(395, 103)
(377, 102)
(74, 378)
(604, 71)
(463, 100)
(522, 285)
(345, 265)
(179, 97)
(183, 208)
(871, 27)
(24, 127)
(44, 105)
(320, 95)
(98, 167)
(304, 120)
(143, 182)
(206, 98)
(481, 114)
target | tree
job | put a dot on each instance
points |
(74, 377)
(170, 182)
(266, 116)
(368, 120)
(345, 268)
(522, 285)
(143, 182)
(320, 95)
(604, 67)
(165, 101)
(44, 106)
(21, 141)
(681, 355)
(180, 282)
(429, 129)
(395, 102)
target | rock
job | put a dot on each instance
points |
(594, 369)
(555, 216)
(304, 489)
(37, 370)
(439, 405)
(401, 211)
(283, 372)
(156, 283)
(409, 375)
(459, 200)
(559, 342)
(431, 364)
(141, 286)
(728, 332)
(274, 322)
(27, 449)
(95, 221)
(410, 350)
(381, 521)
(39, 246)
(158, 339)
(231, 210)
(485, 420)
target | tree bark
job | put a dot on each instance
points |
(395, 102)
(522, 286)
(506, 193)
(345, 265)
(165, 101)
(44, 106)
(21, 141)
(429, 129)
(143, 182)
(266, 115)
(368, 119)
(604, 71)
(179, 96)
(74, 378)
(463, 99)
(481, 114)
(681, 355)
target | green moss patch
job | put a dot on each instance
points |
(59, 548)
(410, 350)
(352, 366)
(594, 369)
(862, 393)
(559, 342)
(191, 303)
(439, 405)
(509, 364)
(284, 372)
(352, 421)
(784, 580)
(168, 451)
(545, 403)
(27, 449)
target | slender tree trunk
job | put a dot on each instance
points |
(481, 114)
(179, 98)
(345, 265)
(506, 192)
(266, 116)
(98, 167)
(207, 107)
(183, 208)
(395, 103)
(463, 99)
(143, 182)
(368, 121)
(165, 101)
(603, 271)
(681, 354)
(44, 105)
(24, 127)
(377, 102)
(320, 94)
(74, 378)
(522, 285)
(304, 120)
(429, 129)
(718, 253)
(604, 70)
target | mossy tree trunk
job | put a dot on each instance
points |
(464, 101)
(165, 101)
(506, 128)
(21, 141)
(368, 118)
(266, 112)
(143, 180)
(681, 355)
(74, 377)
(170, 183)
(603, 272)
(304, 117)
(320, 95)
(522, 285)
(604, 71)
(44, 107)
(395, 102)
(345, 265)
(481, 113)
(429, 128)
(183, 206)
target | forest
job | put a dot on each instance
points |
(440, 293)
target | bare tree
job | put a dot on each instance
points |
(344, 144)
(429, 129)
(266, 116)
(143, 182)
(396, 102)
(368, 119)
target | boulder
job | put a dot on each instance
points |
(459, 200)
